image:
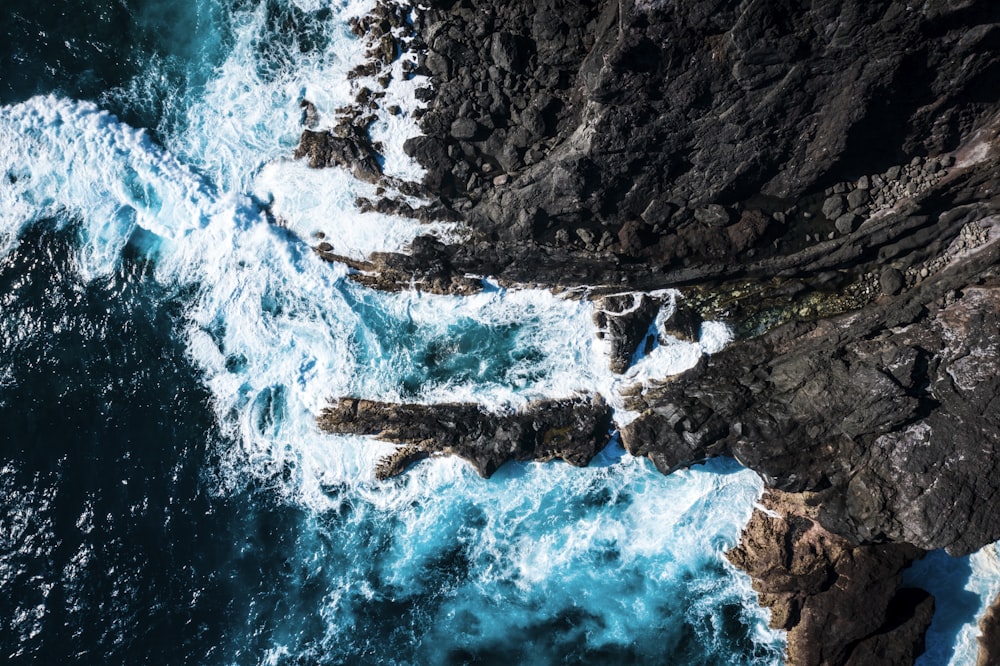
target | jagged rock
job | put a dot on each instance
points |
(840, 602)
(989, 636)
(712, 216)
(464, 128)
(355, 153)
(624, 319)
(684, 323)
(889, 412)
(569, 430)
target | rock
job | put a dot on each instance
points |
(355, 153)
(658, 212)
(891, 281)
(625, 318)
(464, 128)
(569, 430)
(510, 52)
(310, 117)
(712, 215)
(846, 223)
(840, 603)
(632, 237)
(918, 461)
(989, 636)
(684, 323)
(833, 207)
(857, 198)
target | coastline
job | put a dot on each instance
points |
(859, 281)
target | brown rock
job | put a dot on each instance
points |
(839, 602)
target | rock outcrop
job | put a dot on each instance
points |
(569, 430)
(989, 636)
(840, 602)
(825, 176)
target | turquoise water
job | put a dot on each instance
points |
(165, 348)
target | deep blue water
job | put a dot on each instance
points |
(164, 348)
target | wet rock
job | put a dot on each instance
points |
(569, 430)
(684, 323)
(354, 153)
(624, 319)
(989, 636)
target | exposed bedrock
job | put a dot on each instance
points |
(570, 430)
(890, 413)
(836, 160)
(840, 602)
(689, 139)
(989, 636)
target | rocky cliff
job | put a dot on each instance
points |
(828, 172)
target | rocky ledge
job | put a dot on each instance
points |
(569, 430)
(825, 177)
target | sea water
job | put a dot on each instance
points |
(168, 337)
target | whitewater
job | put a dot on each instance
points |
(203, 224)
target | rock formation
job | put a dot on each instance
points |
(826, 176)
(569, 430)
(808, 576)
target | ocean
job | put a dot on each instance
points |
(167, 337)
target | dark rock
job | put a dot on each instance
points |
(833, 207)
(891, 281)
(846, 223)
(857, 198)
(916, 461)
(633, 237)
(354, 153)
(464, 128)
(569, 430)
(625, 319)
(510, 52)
(684, 323)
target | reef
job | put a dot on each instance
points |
(824, 177)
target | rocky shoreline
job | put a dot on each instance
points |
(825, 178)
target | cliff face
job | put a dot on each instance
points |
(841, 161)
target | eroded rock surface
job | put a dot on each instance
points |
(836, 161)
(569, 430)
(840, 602)
(888, 412)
